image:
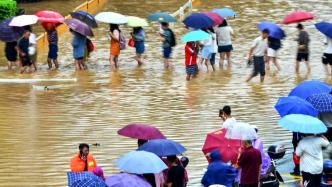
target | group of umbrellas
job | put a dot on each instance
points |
(145, 160)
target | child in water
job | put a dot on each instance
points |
(191, 59)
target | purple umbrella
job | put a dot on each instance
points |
(126, 180)
(8, 33)
(80, 27)
(198, 21)
(140, 131)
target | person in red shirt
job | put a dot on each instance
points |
(191, 59)
(250, 161)
(83, 161)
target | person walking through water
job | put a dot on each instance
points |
(273, 46)
(138, 36)
(224, 39)
(23, 51)
(206, 51)
(191, 60)
(83, 161)
(115, 45)
(169, 41)
(303, 41)
(52, 37)
(79, 45)
(214, 48)
(258, 52)
(327, 57)
(11, 54)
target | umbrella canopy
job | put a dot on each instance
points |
(85, 18)
(23, 20)
(298, 16)
(163, 147)
(49, 16)
(84, 179)
(141, 131)
(161, 17)
(80, 27)
(322, 102)
(198, 21)
(195, 36)
(8, 33)
(228, 148)
(126, 180)
(303, 124)
(111, 18)
(225, 12)
(274, 29)
(141, 162)
(137, 22)
(215, 17)
(294, 105)
(325, 28)
(241, 131)
(308, 88)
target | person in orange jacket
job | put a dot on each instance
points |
(83, 161)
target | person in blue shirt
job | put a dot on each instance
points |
(219, 172)
(23, 50)
(79, 44)
(138, 36)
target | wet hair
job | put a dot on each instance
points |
(299, 26)
(185, 161)
(172, 158)
(224, 23)
(227, 110)
(137, 29)
(114, 27)
(140, 142)
(211, 30)
(164, 24)
(266, 31)
(28, 28)
(248, 142)
(82, 146)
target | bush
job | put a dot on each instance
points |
(7, 9)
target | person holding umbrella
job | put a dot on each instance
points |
(325, 28)
(224, 37)
(115, 45)
(23, 51)
(138, 36)
(11, 53)
(168, 38)
(191, 59)
(79, 43)
(303, 48)
(52, 38)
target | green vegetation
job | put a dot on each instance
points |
(7, 9)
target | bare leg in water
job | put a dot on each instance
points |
(49, 62)
(228, 56)
(222, 59)
(139, 59)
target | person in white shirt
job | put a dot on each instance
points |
(311, 159)
(32, 47)
(258, 52)
(206, 51)
(224, 37)
(327, 56)
(226, 115)
(214, 48)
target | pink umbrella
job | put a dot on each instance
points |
(49, 16)
(215, 17)
(140, 131)
(23, 20)
(298, 16)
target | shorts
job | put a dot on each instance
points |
(25, 60)
(259, 66)
(167, 51)
(225, 48)
(33, 58)
(302, 56)
(271, 52)
(139, 46)
(53, 51)
(11, 55)
(213, 58)
(79, 58)
(206, 52)
(311, 180)
(192, 69)
(327, 59)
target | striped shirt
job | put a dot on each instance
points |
(52, 37)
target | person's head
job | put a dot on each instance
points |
(137, 29)
(299, 27)
(246, 143)
(28, 27)
(225, 112)
(255, 127)
(140, 142)
(26, 34)
(114, 27)
(224, 23)
(98, 171)
(185, 161)
(172, 158)
(84, 149)
(265, 33)
(215, 155)
(164, 25)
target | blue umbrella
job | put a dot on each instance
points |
(294, 105)
(325, 28)
(274, 29)
(85, 17)
(163, 147)
(225, 12)
(8, 33)
(198, 21)
(140, 162)
(84, 179)
(194, 36)
(303, 124)
(308, 88)
(322, 102)
(161, 17)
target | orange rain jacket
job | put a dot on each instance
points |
(77, 164)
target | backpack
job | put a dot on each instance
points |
(90, 45)
(274, 43)
(122, 41)
(173, 38)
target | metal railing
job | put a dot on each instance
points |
(181, 11)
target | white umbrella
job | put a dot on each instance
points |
(111, 18)
(23, 20)
(241, 131)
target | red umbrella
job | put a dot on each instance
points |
(215, 17)
(49, 16)
(228, 148)
(298, 16)
(140, 131)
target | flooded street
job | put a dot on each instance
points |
(40, 130)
